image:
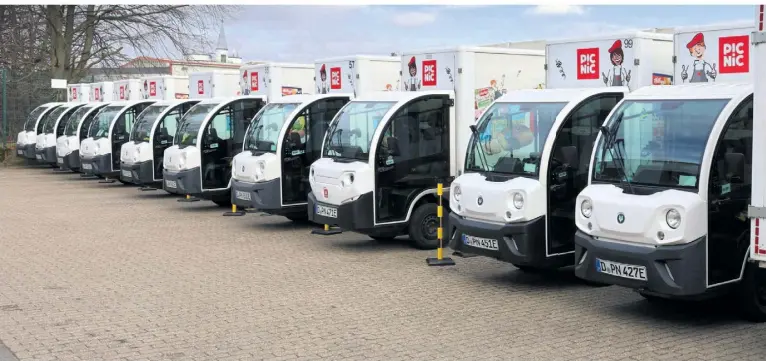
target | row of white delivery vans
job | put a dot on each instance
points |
(607, 169)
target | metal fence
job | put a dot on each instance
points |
(19, 95)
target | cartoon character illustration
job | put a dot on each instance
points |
(389, 88)
(701, 69)
(561, 69)
(322, 88)
(618, 75)
(413, 83)
(245, 84)
(146, 90)
(498, 90)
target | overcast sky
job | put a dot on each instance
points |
(307, 33)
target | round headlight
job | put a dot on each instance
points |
(518, 200)
(348, 180)
(586, 208)
(457, 192)
(673, 218)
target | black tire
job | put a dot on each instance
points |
(298, 218)
(222, 203)
(423, 226)
(527, 269)
(752, 293)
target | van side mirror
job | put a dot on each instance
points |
(735, 166)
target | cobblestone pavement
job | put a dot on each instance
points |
(93, 271)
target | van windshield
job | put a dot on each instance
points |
(657, 142)
(74, 120)
(29, 125)
(100, 126)
(190, 123)
(350, 134)
(512, 137)
(50, 119)
(263, 134)
(144, 123)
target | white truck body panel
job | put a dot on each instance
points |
(78, 93)
(126, 90)
(213, 84)
(275, 80)
(757, 209)
(164, 87)
(357, 75)
(726, 53)
(585, 63)
(102, 92)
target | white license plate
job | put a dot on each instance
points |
(478, 242)
(19, 151)
(39, 156)
(126, 173)
(170, 184)
(86, 166)
(245, 196)
(621, 270)
(61, 160)
(326, 211)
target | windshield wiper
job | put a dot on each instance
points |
(482, 156)
(340, 142)
(610, 135)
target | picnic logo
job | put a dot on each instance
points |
(429, 72)
(254, 81)
(122, 92)
(587, 64)
(200, 87)
(96, 94)
(734, 54)
(335, 78)
(152, 89)
(74, 93)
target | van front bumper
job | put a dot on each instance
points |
(671, 271)
(70, 161)
(356, 215)
(100, 165)
(140, 173)
(29, 151)
(184, 182)
(520, 243)
(48, 154)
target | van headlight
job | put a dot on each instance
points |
(457, 192)
(348, 179)
(586, 208)
(518, 200)
(673, 218)
(260, 170)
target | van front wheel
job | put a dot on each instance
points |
(752, 293)
(424, 225)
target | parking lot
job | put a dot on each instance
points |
(104, 271)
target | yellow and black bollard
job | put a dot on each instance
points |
(234, 211)
(327, 230)
(189, 198)
(440, 260)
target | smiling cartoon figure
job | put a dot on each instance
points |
(700, 68)
(617, 75)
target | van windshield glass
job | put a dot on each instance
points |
(190, 123)
(350, 134)
(74, 120)
(29, 125)
(100, 126)
(263, 134)
(656, 142)
(50, 119)
(511, 137)
(143, 127)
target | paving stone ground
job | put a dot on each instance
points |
(93, 271)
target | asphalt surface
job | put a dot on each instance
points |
(92, 271)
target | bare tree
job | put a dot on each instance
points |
(82, 37)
